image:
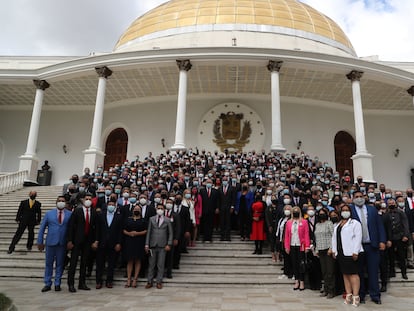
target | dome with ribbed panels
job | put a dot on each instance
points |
(283, 17)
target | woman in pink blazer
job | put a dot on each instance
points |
(297, 242)
(198, 207)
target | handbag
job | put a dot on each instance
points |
(305, 264)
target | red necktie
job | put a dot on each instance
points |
(87, 222)
(209, 192)
(60, 217)
(225, 190)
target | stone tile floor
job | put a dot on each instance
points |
(27, 296)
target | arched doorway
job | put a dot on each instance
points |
(344, 149)
(116, 148)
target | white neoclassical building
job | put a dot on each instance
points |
(242, 75)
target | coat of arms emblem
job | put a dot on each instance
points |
(228, 133)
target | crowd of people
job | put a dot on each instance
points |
(335, 233)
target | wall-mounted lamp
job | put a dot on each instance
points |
(396, 152)
(65, 149)
(163, 142)
(299, 144)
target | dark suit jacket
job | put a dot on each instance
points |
(76, 228)
(227, 200)
(185, 220)
(209, 203)
(376, 228)
(109, 236)
(150, 211)
(30, 216)
(175, 223)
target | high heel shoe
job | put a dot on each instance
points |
(348, 299)
(128, 283)
(134, 283)
(296, 287)
(356, 301)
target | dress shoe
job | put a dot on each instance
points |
(29, 249)
(404, 276)
(9, 251)
(57, 288)
(84, 287)
(98, 286)
(383, 288)
(377, 301)
(72, 289)
(392, 274)
(410, 266)
(323, 295)
(149, 285)
(46, 289)
(169, 276)
(255, 252)
(176, 267)
(109, 285)
(330, 296)
(159, 285)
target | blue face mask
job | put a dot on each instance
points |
(133, 200)
(117, 191)
(111, 208)
(208, 185)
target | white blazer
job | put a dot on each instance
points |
(351, 238)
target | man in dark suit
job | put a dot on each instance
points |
(373, 240)
(176, 226)
(81, 238)
(56, 221)
(28, 216)
(109, 235)
(158, 241)
(210, 199)
(227, 201)
(185, 222)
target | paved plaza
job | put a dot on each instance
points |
(27, 296)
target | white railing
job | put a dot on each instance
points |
(12, 181)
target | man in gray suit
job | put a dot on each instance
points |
(158, 241)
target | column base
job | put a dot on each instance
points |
(29, 163)
(277, 148)
(362, 163)
(178, 147)
(91, 159)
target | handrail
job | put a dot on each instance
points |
(12, 181)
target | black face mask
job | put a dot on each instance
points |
(32, 197)
(163, 196)
(244, 188)
(296, 214)
(409, 194)
(75, 181)
(137, 213)
(177, 202)
(391, 206)
(150, 188)
(334, 219)
(259, 187)
(323, 216)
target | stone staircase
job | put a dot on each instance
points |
(217, 264)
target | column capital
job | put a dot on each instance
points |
(184, 64)
(274, 65)
(355, 75)
(411, 90)
(41, 84)
(103, 72)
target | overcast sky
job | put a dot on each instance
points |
(78, 27)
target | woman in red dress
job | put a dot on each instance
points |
(258, 234)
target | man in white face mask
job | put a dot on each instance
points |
(373, 240)
(81, 238)
(56, 221)
(158, 241)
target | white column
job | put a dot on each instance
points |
(94, 155)
(362, 160)
(274, 68)
(184, 66)
(29, 160)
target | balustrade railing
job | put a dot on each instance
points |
(12, 181)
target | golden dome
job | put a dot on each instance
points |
(272, 15)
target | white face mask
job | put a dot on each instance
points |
(168, 206)
(160, 212)
(269, 192)
(286, 201)
(142, 201)
(60, 205)
(87, 203)
(311, 213)
(157, 200)
(346, 214)
(287, 212)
